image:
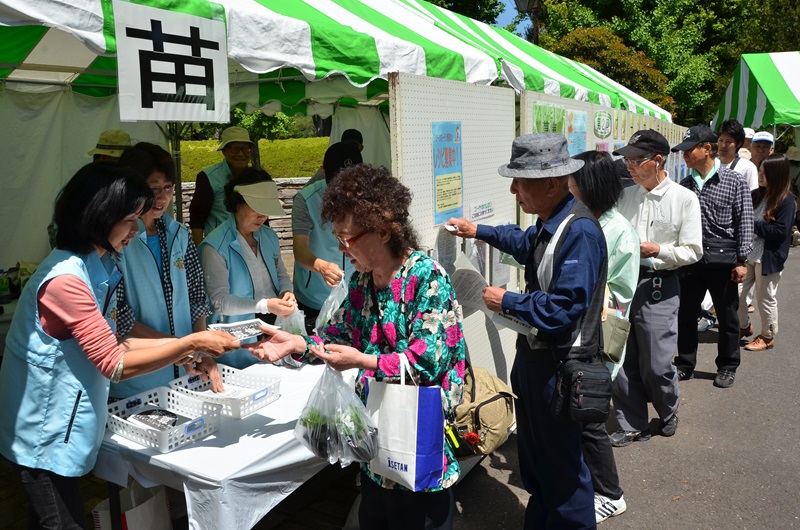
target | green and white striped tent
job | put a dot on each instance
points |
(300, 56)
(764, 91)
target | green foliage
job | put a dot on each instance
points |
(296, 157)
(258, 124)
(605, 52)
(696, 45)
(484, 10)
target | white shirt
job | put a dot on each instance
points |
(219, 291)
(668, 215)
(746, 169)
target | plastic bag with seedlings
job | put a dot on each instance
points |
(334, 424)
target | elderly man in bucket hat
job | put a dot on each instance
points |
(110, 146)
(207, 209)
(565, 270)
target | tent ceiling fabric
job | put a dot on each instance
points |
(280, 51)
(764, 91)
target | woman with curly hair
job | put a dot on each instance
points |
(400, 303)
(774, 208)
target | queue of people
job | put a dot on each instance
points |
(140, 293)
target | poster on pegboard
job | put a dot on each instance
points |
(576, 131)
(448, 179)
(548, 118)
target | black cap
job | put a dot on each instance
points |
(339, 156)
(699, 134)
(643, 143)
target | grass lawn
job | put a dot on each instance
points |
(296, 157)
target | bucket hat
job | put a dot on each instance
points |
(111, 143)
(262, 197)
(234, 134)
(793, 153)
(539, 156)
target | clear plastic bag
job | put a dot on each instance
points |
(331, 304)
(295, 323)
(334, 424)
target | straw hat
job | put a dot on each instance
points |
(793, 153)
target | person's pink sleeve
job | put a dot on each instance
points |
(67, 310)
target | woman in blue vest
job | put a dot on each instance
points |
(242, 266)
(163, 282)
(61, 349)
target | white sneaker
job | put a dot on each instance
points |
(605, 507)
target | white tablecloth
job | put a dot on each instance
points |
(232, 478)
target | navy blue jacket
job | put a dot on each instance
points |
(777, 236)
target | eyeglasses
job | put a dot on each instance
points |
(166, 189)
(635, 162)
(347, 241)
(238, 149)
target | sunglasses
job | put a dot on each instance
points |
(347, 241)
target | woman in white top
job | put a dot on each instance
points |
(242, 266)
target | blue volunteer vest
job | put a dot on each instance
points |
(309, 287)
(225, 241)
(145, 295)
(53, 413)
(218, 175)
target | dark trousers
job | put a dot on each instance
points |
(55, 501)
(394, 509)
(550, 458)
(695, 279)
(311, 315)
(599, 458)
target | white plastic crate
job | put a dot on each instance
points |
(205, 419)
(244, 393)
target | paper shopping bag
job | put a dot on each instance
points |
(410, 422)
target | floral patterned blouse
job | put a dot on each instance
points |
(418, 317)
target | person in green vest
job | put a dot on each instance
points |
(207, 209)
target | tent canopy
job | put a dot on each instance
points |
(301, 56)
(764, 91)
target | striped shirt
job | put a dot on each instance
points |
(726, 209)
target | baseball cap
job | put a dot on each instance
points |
(763, 136)
(339, 156)
(111, 143)
(262, 197)
(644, 142)
(699, 134)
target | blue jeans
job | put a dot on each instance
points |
(550, 457)
(55, 501)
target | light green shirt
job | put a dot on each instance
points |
(699, 180)
(623, 259)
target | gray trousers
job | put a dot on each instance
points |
(648, 373)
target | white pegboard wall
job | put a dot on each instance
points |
(488, 125)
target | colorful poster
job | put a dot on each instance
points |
(601, 146)
(448, 180)
(576, 131)
(548, 118)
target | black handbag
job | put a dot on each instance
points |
(582, 393)
(719, 253)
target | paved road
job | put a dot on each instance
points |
(733, 463)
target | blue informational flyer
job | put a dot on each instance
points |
(448, 180)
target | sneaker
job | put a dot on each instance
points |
(760, 344)
(684, 376)
(669, 427)
(704, 324)
(746, 332)
(605, 507)
(724, 379)
(621, 438)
